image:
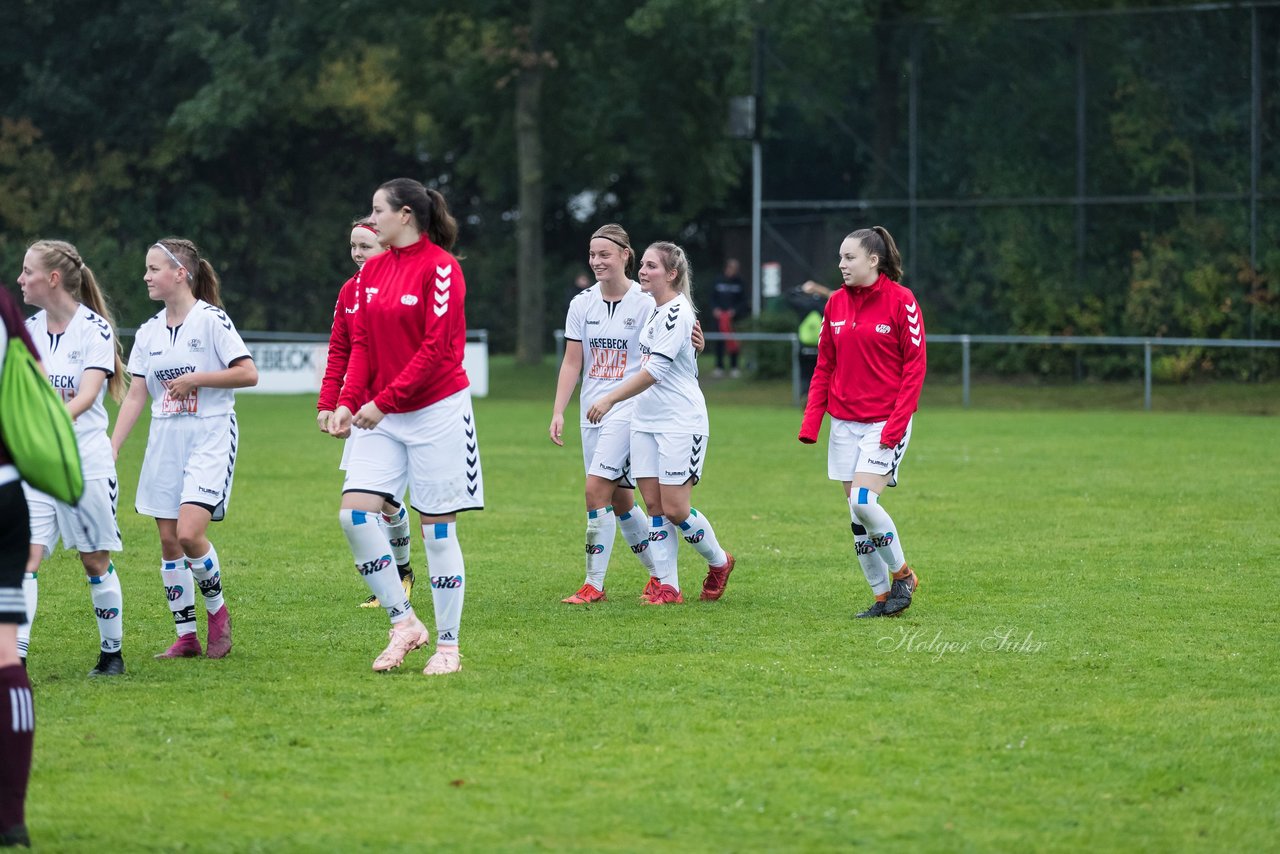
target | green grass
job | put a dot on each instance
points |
(1128, 558)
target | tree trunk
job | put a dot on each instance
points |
(531, 306)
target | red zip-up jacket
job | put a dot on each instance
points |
(871, 360)
(335, 366)
(411, 331)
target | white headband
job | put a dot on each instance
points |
(172, 257)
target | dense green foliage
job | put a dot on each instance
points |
(260, 128)
(1128, 706)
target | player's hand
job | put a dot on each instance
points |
(599, 410)
(322, 420)
(368, 416)
(699, 343)
(181, 387)
(556, 430)
(340, 423)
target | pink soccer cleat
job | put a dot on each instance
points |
(585, 596)
(666, 595)
(717, 579)
(650, 589)
(446, 659)
(406, 636)
(186, 646)
(219, 642)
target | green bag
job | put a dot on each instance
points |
(37, 428)
(810, 329)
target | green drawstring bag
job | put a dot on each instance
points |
(37, 428)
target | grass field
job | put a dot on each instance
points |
(1091, 662)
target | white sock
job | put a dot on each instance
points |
(180, 588)
(601, 526)
(208, 574)
(697, 532)
(635, 530)
(29, 595)
(865, 507)
(448, 578)
(873, 566)
(663, 543)
(398, 535)
(108, 608)
(372, 554)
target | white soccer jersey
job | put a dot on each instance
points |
(206, 341)
(610, 336)
(676, 404)
(88, 342)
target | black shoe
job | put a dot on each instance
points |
(406, 580)
(876, 610)
(109, 664)
(900, 595)
(15, 836)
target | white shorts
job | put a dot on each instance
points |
(90, 526)
(346, 459)
(188, 461)
(854, 446)
(606, 451)
(672, 458)
(435, 448)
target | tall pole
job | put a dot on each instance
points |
(757, 167)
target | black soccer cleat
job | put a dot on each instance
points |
(900, 595)
(15, 836)
(109, 664)
(876, 610)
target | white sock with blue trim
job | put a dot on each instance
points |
(207, 572)
(397, 525)
(865, 507)
(108, 608)
(180, 590)
(663, 543)
(448, 578)
(602, 525)
(372, 553)
(635, 530)
(698, 533)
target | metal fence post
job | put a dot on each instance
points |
(795, 370)
(1146, 375)
(964, 369)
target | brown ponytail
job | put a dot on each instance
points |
(878, 241)
(201, 277)
(430, 210)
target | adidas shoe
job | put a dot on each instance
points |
(585, 596)
(371, 602)
(219, 642)
(900, 594)
(717, 579)
(446, 659)
(186, 646)
(406, 636)
(109, 664)
(666, 595)
(876, 609)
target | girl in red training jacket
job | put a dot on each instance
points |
(395, 517)
(871, 364)
(412, 405)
